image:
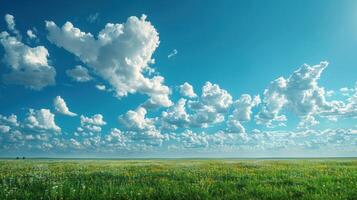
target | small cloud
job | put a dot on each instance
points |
(10, 21)
(101, 87)
(173, 53)
(93, 18)
(31, 34)
(79, 74)
(61, 107)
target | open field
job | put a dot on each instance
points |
(178, 179)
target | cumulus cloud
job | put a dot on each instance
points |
(211, 106)
(31, 34)
(91, 125)
(209, 109)
(134, 120)
(10, 21)
(4, 129)
(300, 93)
(242, 111)
(243, 107)
(79, 74)
(41, 119)
(10, 120)
(96, 119)
(215, 97)
(191, 139)
(27, 66)
(140, 128)
(186, 90)
(61, 106)
(120, 54)
(176, 116)
(343, 109)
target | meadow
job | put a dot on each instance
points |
(178, 179)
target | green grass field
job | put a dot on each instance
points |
(178, 179)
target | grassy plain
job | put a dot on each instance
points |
(179, 179)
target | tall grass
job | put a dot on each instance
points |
(178, 179)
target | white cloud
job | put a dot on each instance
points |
(10, 21)
(186, 90)
(243, 107)
(206, 111)
(176, 115)
(241, 113)
(79, 74)
(140, 128)
(136, 121)
(115, 138)
(173, 53)
(191, 139)
(211, 107)
(93, 18)
(343, 109)
(41, 119)
(219, 99)
(28, 66)
(10, 120)
(299, 93)
(234, 125)
(31, 34)
(121, 55)
(96, 119)
(61, 107)
(101, 87)
(4, 129)
(91, 124)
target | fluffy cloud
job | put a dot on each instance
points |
(176, 116)
(140, 128)
(234, 125)
(96, 119)
(243, 107)
(134, 120)
(79, 74)
(215, 97)
(121, 54)
(93, 123)
(101, 87)
(10, 21)
(299, 93)
(10, 120)
(193, 140)
(241, 113)
(31, 34)
(42, 119)
(211, 107)
(61, 107)
(4, 129)
(186, 90)
(343, 109)
(28, 66)
(116, 137)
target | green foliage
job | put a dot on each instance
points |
(178, 179)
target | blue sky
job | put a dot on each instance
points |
(95, 79)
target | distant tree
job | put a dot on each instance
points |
(23, 158)
(17, 158)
